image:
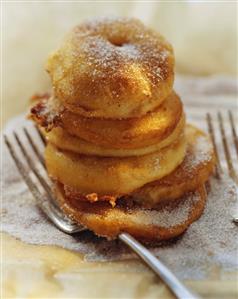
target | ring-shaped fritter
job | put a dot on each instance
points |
(112, 68)
(134, 133)
(80, 146)
(110, 176)
(149, 225)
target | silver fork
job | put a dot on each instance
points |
(226, 145)
(34, 174)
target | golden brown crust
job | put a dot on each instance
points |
(109, 175)
(112, 68)
(198, 165)
(166, 222)
(81, 146)
(133, 133)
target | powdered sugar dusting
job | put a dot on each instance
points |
(156, 163)
(212, 240)
(169, 216)
(111, 46)
(199, 153)
(202, 150)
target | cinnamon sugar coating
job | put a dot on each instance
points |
(150, 225)
(112, 68)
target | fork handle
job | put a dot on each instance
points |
(158, 267)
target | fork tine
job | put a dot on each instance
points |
(56, 216)
(233, 129)
(40, 134)
(31, 165)
(226, 149)
(31, 185)
(34, 147)
(21, 169)
(212, 135)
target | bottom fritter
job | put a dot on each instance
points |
(150, 225)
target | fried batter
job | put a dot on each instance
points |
(112, 68)
(80, 146)
(110, 176)
(134, 133)
(194, 171)
(151, 225)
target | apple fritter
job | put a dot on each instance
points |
(81, 146)
(112, 68)
(152, 128)
(110, 176)
(151, 225)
